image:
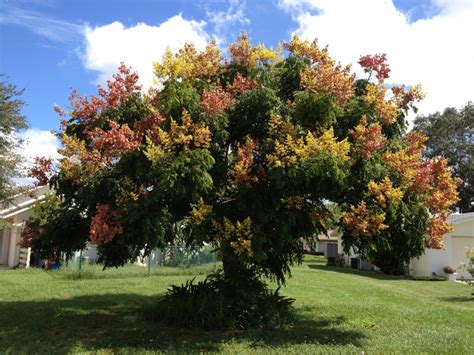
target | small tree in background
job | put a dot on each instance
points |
(451, 135)
(244, 151)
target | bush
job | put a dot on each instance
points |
(339, 260)
(216, 303)
(331, 261)
(429, 278)
(449, 270)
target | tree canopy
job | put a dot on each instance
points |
(11, 120)
(451, 135)
(245, 151)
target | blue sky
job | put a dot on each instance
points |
(51, 46)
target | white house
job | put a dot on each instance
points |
(433, 260)
(15, 214)
(456, 242)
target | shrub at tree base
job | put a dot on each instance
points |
(217, 303)
(244, 153)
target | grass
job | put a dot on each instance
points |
(338, 310)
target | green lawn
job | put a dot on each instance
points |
(338, 310)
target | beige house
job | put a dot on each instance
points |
(456, 242)
(15, 214)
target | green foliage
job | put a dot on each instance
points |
(11, 120)
(251, 113)
(217, 303)
(451, 135)
(56, 219)
(315, 111)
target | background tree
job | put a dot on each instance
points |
(451, 135)
(11, 120)
(243, 152)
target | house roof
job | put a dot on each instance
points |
(23, 201)
(457, 218)
(331, 236)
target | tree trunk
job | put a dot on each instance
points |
(232, 266)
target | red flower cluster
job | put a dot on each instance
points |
(241, 84)
(117, 91)
(104, 227)
(28, 234)
(215, 101)
(375, 63)
(116, 141)
(41, 171)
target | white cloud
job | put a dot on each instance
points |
(434, 51)
(138, 46)
(53, 29)
(224, 21)
(38, 143)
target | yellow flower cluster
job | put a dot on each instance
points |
(245, 55)
(291, 151)
(386, 110)
(178, 137)
(295, 202)
(239, 234)
(79, 163)
(188, 63)
(200, 212)
(128, 192)
(384, 192)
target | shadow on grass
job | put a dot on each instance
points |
(117, 322)
(469, 298)
(372, 274)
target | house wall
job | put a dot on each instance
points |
(4, 246)
(10, 250)
(456, 243)
(322, 247)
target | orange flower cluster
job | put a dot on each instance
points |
(324, 75)
(104, 226)
(240, 173)
(384, 192)
(362, 222)
(368, 138)
(215, 101)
